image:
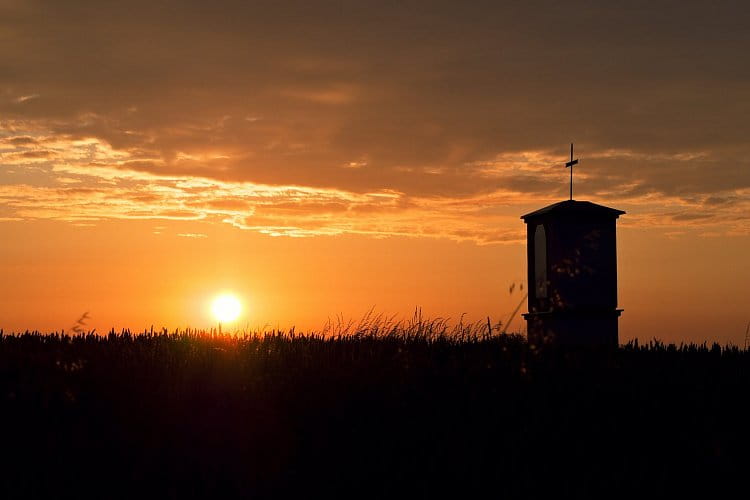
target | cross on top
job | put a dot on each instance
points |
(570, 164)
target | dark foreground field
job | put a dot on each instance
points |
(195, 415)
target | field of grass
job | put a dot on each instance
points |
(396, 412)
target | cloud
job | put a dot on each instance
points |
(23, 140)
(302, 115)
(193, 235)
(25, 98)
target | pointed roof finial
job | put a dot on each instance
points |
(570, 164)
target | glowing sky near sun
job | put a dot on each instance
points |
(323, 158)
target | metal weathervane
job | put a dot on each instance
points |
(570, 164)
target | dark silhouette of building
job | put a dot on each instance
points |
(572, 273)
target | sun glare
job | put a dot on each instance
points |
(226, 308)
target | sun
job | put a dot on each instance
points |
(226, 308)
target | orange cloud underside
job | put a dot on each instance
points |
(87, 180)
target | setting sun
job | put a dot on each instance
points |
(226, 308)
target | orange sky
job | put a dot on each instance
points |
(321, 159)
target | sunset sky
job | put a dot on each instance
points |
(319, 159)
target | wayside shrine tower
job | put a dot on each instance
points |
(572, 273)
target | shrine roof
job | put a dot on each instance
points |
(574, 207)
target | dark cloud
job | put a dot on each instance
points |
(21, 141)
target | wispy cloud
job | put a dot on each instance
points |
(192, 235)
(25, 98)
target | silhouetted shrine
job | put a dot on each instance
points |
(572, 273)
